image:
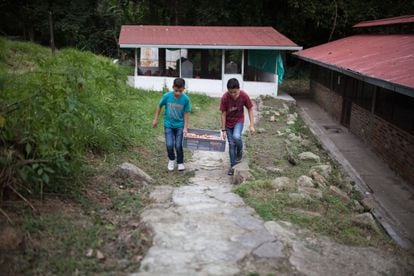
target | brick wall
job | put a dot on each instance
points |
(327, 99)
(393, 145)
(360, 123)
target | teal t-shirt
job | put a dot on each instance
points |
(175, 109)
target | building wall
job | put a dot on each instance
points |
(394, 145)
(327, 99)
(213, 88)
(360, 123)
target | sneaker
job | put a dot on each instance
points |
(230, 172)
(181, 167)
(170, 165)
(239, 157)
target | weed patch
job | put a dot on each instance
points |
(271, 152)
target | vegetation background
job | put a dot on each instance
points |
(94, 25)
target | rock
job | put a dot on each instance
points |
(123, 263)
(305, 142)
(292, 160)
(270, 250)
(307, 155)
(291, 117)
(128, 170)
(276, 113)
(348, 187)
(366, 219)
(274, 170)
(134, 224)
(299, 196)
(311, 191)
(290, 157)
(305, 181)
(290, 122)
(241, 173)
(357, 206)
(89, 253)
(294, 138)
(319, 180)
(368, 203)
(324, 170)
(261, 130)
(99, 255)
(282, 183)
(280, 229)
(272, 118)
(341, 194)
(10, 239)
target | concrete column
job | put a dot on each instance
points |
(136, 64)
(223, 60)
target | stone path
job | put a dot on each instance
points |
(205, 229)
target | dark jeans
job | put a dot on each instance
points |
(174, 138)
(234, 136)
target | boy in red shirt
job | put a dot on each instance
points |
(232, 119)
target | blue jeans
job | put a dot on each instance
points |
(174, 138)
(234, 136)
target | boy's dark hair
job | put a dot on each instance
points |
(179, 83)
(233, 84)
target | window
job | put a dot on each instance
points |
(403, 112)
(396, 108)
(384, 103)
(364, 95)
(321, 75)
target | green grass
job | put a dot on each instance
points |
(66, 251)
(69, 105)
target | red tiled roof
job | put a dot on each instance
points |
(204, 37)
(386, 21)
(388, 58)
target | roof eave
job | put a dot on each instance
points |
(402, 89)
(238, 47)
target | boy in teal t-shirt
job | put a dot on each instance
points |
(177, 106)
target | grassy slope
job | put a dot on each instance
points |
(105, 123)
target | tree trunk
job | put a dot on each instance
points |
(31, 33)
(52, 38)
(334, 23)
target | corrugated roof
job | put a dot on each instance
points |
(217, 37)
(386, 21)
(383, 58)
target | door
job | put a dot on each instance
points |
(346, 112)
(232, 67)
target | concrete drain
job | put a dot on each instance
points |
(333, 129)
